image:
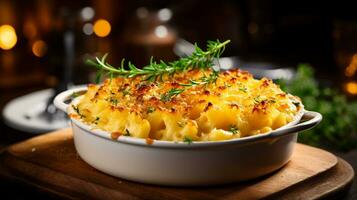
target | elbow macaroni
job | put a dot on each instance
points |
(236, 105)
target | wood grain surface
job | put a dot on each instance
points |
(51, 163)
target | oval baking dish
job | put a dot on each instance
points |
(182, 164)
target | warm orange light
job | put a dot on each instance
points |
(102, 28)
(8, 37)
(351, 87)
(352, 67)
(39, 48)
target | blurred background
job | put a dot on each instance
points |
(309, 48)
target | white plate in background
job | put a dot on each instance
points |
(24, 113)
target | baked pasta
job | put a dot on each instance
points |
(180, 107)
(184, 100)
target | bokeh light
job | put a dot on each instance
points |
(87, 13)
(39, 48)
(8, 37)
(102, 28)
(161, 31)
(87, 29)
(164, 14)
(351, 87)
(352, 67)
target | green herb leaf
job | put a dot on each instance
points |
(114, 101)
(274, 101)
(187, 139)
(76, 109)
(243, 89)
(257, 99)
(127, 133)
(170, 94)
(96, 120)
(126, 92)
(155, 70)
(233, 129)
(150, 110)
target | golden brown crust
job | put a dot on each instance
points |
(235, 91)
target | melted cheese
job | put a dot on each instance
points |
(236, 105)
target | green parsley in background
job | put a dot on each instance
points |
(338, 129)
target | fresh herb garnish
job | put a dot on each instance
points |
(150, 110)
(243, 89)
(212, 78)
(273, 101)
(96, 120)
(125, 92)
(171, 93)
(205, 80)
(75, 108)
(257, 99)
(114, 101)
(156, 70)
(127, 133)
(187, 139)
(233, 129)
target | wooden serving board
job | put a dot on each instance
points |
(50, 162)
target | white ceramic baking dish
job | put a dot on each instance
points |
(182, 164)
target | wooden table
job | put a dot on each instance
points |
(50, 163)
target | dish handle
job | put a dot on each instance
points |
(309, 120)
(63, 99)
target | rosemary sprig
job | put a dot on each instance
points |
(205, 80)
(156, 70)
(212, 78)
(171, 93)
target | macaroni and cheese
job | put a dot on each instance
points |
(235, 105)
